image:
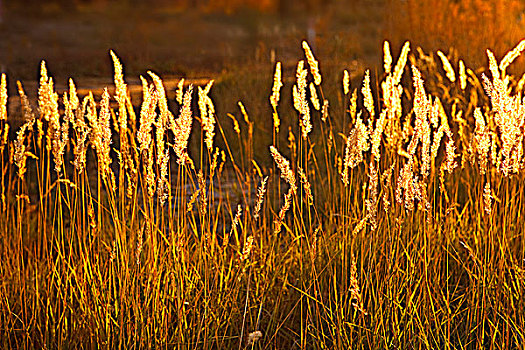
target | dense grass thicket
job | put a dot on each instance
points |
(385, 215)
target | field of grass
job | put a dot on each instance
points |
(379, 213)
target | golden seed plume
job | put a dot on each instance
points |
(165, 118)
(248, 245)
(113, 253)
(314, 98)
(3, 98)
(386, 178)
(511, 56)
(481, 140)
(324, 114)
(367, 94)
(401, 63)
(493, 65)
(447, 67)
(346, 82)
(236, 221)
(356, 144)
(260, 197)
(236, 127)
(20, 149)
(207, 114)
(387, 57)
(163, 183)
(282, 212)
(254, 337)
(276, 95)
(101, 138)
(243, 112)
(313, 63)
(203, 196)
(371, 203)
(183, 127)
(179, 93)
(462, 75)
(284, 166)
(147, 115)
(376, 135)
(121, 92)
(306, 186)
(487, 199)
(299, 100)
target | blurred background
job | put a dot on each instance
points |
(210, 38)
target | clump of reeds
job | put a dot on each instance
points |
(406, 231)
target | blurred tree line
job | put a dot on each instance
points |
(281, 6)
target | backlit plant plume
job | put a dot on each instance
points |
(207, 114)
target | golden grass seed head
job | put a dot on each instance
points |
(3, 97)
(487, 199)
(314, 98)
(286, 205)
(371, 203)
(236, 220)
(450, 155)
(306, 186)
(193, 199)
(376, 135)
(254, 337)
(183, 127)
(284, 209)
(313, 63)
(121, 92)
(324, 114)
(493, 65)
(243, 112)
(20, 149)
(236, 127)
(4, 137)
(481, 140)
(511, 56)
(276, 122)
(462, 75)
(292, 144)
(387, 57)
(401, 63)
(207, 114)
(27, 111)
(203, 196)
(277, 85)
(346, 82)
(113, 253)
(147, 115)
(163, 184)
(353, 106)
(284, 166)
(80, 150)
(367, 94)
(449, 70)
(260, 198)
(179, 93)
(386, 178)
(299, 99)
(248, 245)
